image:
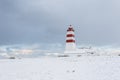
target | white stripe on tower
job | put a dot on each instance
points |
(70, 32)
(70, 39)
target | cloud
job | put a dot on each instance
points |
(46, 21)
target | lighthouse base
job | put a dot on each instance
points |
(81, 52)
(70, 47)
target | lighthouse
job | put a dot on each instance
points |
(71, 49)
(70, 40)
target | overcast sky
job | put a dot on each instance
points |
(96, 22)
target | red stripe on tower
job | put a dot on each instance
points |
(70, 41)
(70, 35)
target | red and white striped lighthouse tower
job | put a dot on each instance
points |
(70, 40)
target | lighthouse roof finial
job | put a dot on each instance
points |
(70, 25)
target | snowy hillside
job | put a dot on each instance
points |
(70, 68)
(34, 51)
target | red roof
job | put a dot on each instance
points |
(70, 28)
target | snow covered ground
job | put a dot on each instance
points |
(69, 68)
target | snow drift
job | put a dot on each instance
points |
(82, 68)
